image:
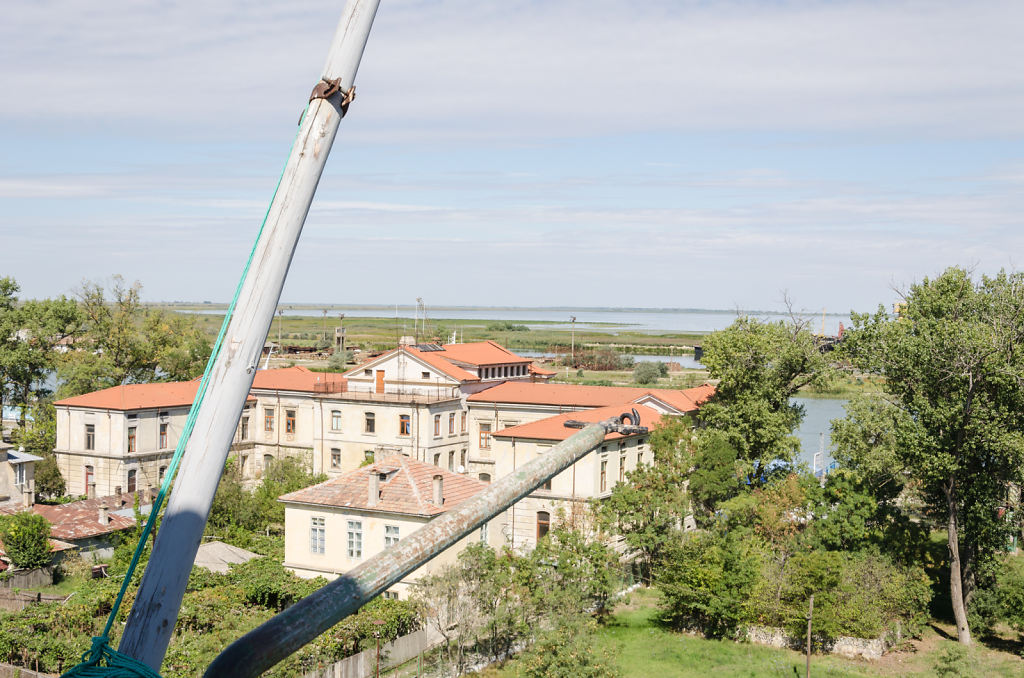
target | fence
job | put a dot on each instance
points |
(364, 664)
(28, 579)
(10, 671)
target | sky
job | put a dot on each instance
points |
(573, 153)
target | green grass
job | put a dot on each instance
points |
(643, 648)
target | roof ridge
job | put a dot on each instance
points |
(412, 483)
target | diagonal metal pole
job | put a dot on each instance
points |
(151, 622)
(268, 644)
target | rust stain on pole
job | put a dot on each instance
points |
(268, 644)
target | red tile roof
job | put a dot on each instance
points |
(573, 395)
(436, 359)
(80, 519)
(553, 428)
(299, 378)
(481, 353)
(408, 488)
(138, 396)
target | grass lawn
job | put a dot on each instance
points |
(644, 649)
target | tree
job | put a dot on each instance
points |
(26, 539)
(646, 372)
(29, 335)
(760, 366)
(714, 478)
(652, 502)
(39, 438)
(567, 651)
(123, 342)
(954, 369)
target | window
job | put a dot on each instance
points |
(437, 424)
(162, 472)
(163, 432)
(485, 436)
(425, 375)
(369, 456)
(546, 485)
(90, 477)
(370, 423)
(245, 429)
(437, 459)
(390, 595)
(289, 421)
(335, 457)
(390, 535)
(451, 460)
(355, 539)
(462, 459)
(317, 535)
(367, 373)
(404, 425)
(604, 475)
(90, 436)
(451, 423)
(131, 439)
(483, 533)
(131, 481)
(622, 468)
(268, 419)
(244, 464)
(335, 420)
(19, 474)
(485, 477)
(268, 459)
(462, 425)
(543, 524)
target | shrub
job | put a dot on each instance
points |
(26, 538)
(646, 372)
(567, 651)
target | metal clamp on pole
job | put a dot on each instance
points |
(615, 424)
(325, 89)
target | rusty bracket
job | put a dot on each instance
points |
(325, 89)
(615, 424)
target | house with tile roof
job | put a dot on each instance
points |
(17, 476)
(121, 439)
(336, 525)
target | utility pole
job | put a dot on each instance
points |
(810, 613)
(572, 348)
(280, 319)
(151, 623)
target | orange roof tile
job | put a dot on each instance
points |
(541, 371)
(408, 489)
(137, 396)
(573, 395)
(481, 353)
(299, 378)
(553, 428)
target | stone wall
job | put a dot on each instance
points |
(844, 646)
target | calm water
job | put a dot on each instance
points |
(818, 416)
(644, 320)
(686, 359)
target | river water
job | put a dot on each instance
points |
(815, 431)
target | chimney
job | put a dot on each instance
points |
(438, 490)
(373, 492)
(104, 515)
(117, 490)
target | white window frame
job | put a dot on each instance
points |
(317, 535)
(355, 539)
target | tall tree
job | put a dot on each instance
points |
(647, 508)
(760, 366)
(124, 342)
(953, 363)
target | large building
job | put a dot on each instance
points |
(332, 527)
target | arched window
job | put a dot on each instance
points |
(543, 524)
(486, 477)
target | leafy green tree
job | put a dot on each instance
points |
(567, 651)
(715, 476)
(577, 573)
(954, 369)
(26, 539)
(646, 372)
(29, 335)
(123, 342)
(339, 360)
(760, 366)
(646, 508)
(39, 437)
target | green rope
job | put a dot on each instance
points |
(101, 660)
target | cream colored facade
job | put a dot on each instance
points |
(302, 544)
(17, 476)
